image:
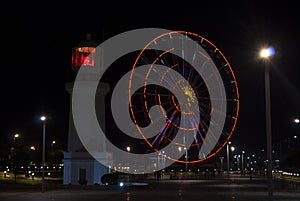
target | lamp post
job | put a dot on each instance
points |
(228, 155)
(186, 159)
(297, 121)
(232, 150)
(186, 152)
(243, 153)
(43, 119)
(238, 165)
(16, 136)
(14, 156)
(52, 144)
(164, 160)
(295, 136)
(265, 54)
(128, 150)
(221, 168)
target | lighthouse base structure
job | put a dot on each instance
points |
(80, 168)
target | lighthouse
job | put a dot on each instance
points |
(80, 167)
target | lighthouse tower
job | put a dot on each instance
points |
(80, 168)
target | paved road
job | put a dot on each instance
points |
(216, 189)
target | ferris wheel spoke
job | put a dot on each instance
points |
(178, 114)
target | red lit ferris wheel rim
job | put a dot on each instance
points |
(236, 91)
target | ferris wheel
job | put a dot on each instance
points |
(206, 81)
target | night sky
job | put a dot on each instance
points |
(36, 62)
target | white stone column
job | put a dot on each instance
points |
(74, 143)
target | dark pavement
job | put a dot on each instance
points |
(224, 188)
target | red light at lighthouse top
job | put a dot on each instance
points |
(84, 54)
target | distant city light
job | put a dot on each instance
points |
(296, 121)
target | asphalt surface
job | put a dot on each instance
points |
(231, 188)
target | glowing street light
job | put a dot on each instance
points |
(228, 154)
(52, 144)
(232, 148)
(128, 148)
(14, 157)
(228, 144)
(16, 136)
(243, 153)
(179, 149)
(296, 121)
(43, 119)
(265, 54)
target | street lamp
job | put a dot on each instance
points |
(164, 159)
(16, 136)
(296, 121)
(232, 148)
(266, 54)
(228, 155)
(14, 156)
(43, 119)
(186, 159)
(222, 159)
(243, 153)
(52, 144)
(128, 150)
(238, 161)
